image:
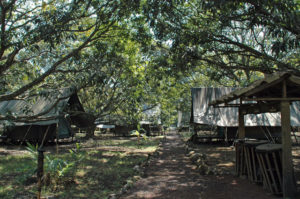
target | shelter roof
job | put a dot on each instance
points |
(268, 87)
(47, 107)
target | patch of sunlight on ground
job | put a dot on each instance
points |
(110, 153)
(234, 182)
(149, 149)
(224, 148)
(81, 173)
(228, 164)
(215, 155)
(103, 160)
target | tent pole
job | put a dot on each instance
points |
(42, 144)
(26, 135)
(57, 135)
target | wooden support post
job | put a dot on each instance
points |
(288, 181)
(57, 137)
(289, 187)
(241, 125)
(40, 170)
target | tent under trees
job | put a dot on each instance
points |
(45, 117)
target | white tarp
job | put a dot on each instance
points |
(202, 113)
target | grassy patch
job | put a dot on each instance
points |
(106, 167)
(14, 173)
(131, 142)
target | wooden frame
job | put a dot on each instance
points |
(271, 104)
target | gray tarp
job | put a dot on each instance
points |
(151, 114)
(183, 118)
(202, 113)
(37, 105)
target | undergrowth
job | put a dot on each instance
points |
(82, 172)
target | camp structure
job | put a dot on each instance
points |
(276, 94)
(224, 121)
(44, 117)
(183, 121)
(151, 120)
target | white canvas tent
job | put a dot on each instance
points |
(204, 114)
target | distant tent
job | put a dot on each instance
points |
(203, 114)
(39, 116)
(151, 120)
(151, 114)
(183, 118)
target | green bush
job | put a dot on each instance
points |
(58, 170)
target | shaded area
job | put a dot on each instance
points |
(107, 165)
(169, 176)
(172, 175)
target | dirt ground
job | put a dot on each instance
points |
(172, 175)
(109, 162)
(104, 143)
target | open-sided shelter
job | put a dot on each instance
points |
(225, 120)
(47, 116)
(271, 94)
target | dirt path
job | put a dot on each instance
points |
(172, 175)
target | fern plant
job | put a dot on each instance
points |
(139, 134)
(58, 170)
(61, 170)
(32, 150)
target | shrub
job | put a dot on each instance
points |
(57, 170)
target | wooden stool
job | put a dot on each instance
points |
(270, 161)
(253, 170)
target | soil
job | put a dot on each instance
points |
(67, 144)
(172, 175)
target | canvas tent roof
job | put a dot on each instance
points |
(151, 114)
(48, 106)
(203, 113)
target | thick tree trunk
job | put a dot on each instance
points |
(90, 132)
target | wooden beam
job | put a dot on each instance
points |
(284, 92)
(228, 105)
(273, 99)
(261, 108)
(241, 128)
(288, 181)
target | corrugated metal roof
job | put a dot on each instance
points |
(203, 113)
(51, 103)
